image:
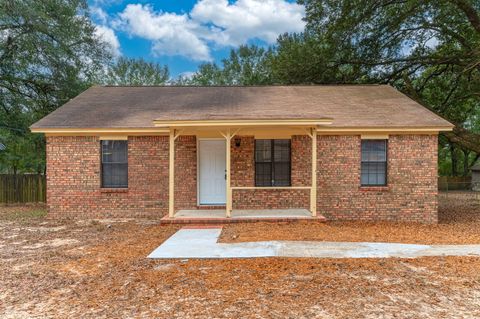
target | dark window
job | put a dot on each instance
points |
(374, 163)
(114, 164)
(272, 162)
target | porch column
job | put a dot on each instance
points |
(228, 139)
(228, 204)
(313, 190)
(171, 173)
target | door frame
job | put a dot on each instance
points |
(198, 167)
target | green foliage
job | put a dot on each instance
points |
(48, 54)
(302, 59)
(128, 71)
(247, 65)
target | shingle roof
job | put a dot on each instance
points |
(137, 107)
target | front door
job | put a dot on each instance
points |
(212, 172)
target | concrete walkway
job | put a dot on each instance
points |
(202, 243)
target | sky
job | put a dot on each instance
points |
(185, 33)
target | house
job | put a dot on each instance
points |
(476, 177)
(161, 151)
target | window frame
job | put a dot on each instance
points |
(273, 162)
(386, 163)
(102, 183)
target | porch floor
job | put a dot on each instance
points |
(217, 216)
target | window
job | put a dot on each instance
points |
(374, 163)
(272, 162)
(114, 164)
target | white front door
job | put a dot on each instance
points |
(212, 172)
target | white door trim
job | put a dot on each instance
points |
(198, 165)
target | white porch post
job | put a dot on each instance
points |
(171, 174)
(228, 205)
(313, 190)
(228, 139)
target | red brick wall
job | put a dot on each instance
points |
(73, 179)
(301, 173)
(185, 172)
(411, 194)
(243, 162)
(271, 199)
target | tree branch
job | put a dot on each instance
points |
(470, 12)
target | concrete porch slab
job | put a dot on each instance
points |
(217, 216)
(242, 213)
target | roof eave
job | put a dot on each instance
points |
(242, 123)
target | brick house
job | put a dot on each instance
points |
(161, 151)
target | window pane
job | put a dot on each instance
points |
(374, 150)
(272, 171)
(114, 163)
(282, 174)
(114, 151)
(263, 150)
(263, 174)
(281, 150)
(373, 173)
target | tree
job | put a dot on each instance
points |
(48, 54)
(247, 65)
(128, 71)
(428, 49)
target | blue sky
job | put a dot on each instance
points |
(183, 34)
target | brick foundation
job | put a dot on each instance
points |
(73, 179)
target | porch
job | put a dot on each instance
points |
(221, 161)
(217, 216)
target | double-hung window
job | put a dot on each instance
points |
(114, 164)
(374, 163)
(272, 163)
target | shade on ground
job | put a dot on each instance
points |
(202, 243)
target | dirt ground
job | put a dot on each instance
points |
(98, 269)
(459, 223)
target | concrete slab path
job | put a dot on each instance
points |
(202, 243)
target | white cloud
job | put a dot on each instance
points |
(172, 34)
(187, 74)
(108, 36)
(99, 14)
(247, 19)
(210, 22)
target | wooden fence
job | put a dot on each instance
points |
(450, 183)
(28, 188)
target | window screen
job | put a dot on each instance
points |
(114, 164)
(272, 162)
(374, 163)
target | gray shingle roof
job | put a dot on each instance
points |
(137, 107)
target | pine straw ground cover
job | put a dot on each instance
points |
(459, 223)
(91, 269)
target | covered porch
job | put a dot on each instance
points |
(234, 192)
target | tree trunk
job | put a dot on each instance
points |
(464, 139)
(466, 165)
(475, 159)
(453, 156)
